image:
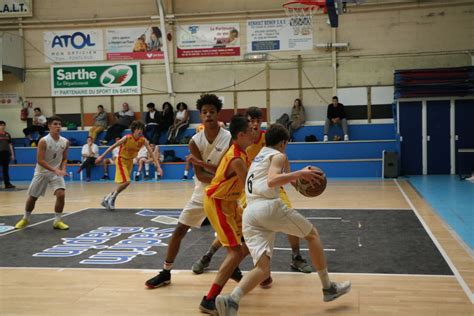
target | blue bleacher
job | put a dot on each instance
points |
(360, 157)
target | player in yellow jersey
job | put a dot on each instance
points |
(222, 207)
(255, 115)
(129, 147)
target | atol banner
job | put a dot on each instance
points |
(208, 40)
(134, 43)
(277, 35)
(16, 8)
(73, 45)
(94, 80)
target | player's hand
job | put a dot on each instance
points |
(312, 175)
(99, 159)
(192, 159)
(60, 173)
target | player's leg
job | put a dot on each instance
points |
(226, 219)
(107, 162)
(122, 178)
(229, 304)
(58, 210)
(327, 126)
(37, 188)
(201, 264)
(298, 263)
(164, 276)
(192, 216)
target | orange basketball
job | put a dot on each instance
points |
(311, 189)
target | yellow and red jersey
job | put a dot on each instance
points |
(254, 149)
(225, 188)
(130, 148)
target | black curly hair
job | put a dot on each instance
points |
(206, 99)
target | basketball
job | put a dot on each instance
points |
(311, 189)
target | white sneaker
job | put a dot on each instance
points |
(111, 202)
(105, 202)
(226, 306)
(325, 138)
(346, 137)
(471, 178)
(337, 289)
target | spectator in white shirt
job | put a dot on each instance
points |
(37, 125)
(90, 152)
(144, 159)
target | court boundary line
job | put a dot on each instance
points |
(46, 220)
(438, 245)
(178, 271)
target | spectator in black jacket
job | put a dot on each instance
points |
(7, 154)
(336, 115)
(124, 119)
(152, 119)
(166, 118)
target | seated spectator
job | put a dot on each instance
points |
(100, 123)
(297, 117)
(110, 161)
(152, 119)
(124, 119)
(166, 118)
(144, 159)
(89, 153)
(38, 125)
(7, 154)
(336, 116)
(181, 122)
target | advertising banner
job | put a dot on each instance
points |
(277, 35)
(95, 80)
(73, 45)
(208, 40)
(134, 43)
(16, 8)
(9, 98)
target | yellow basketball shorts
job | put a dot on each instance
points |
(226, 219)
(123, 169)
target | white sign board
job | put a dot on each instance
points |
(73, 45)
(277, 35)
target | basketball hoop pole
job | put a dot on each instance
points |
(169, 82)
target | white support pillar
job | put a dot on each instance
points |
(169, 82)
(452, 138)
(424, 137)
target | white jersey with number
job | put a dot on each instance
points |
(211, 154)
(53, 154)
(257, 177)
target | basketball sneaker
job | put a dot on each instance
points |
(300, 264)
(226, 306)
(60, 225)
(199, 266)
(267, 283)
(22, 223)
(337, 289)
(111, 202)
(161, 279)
(237, 275)
(208, 306)
(346, 137)
(325, 139)
(105, 202)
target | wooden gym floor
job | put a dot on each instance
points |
(27, 291)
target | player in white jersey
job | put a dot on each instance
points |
(50, 171)
(207, 148)
(266, 214)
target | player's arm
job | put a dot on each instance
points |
(202, 174)
(238, 167)
(42, 162)
(63, 164)
(277, 178)
(118, 143)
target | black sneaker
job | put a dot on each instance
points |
(105, 177)
(184, 178)
(137, 177)
(199, 266)
(208, 306)
(236, 275)
(298, 263)
(9, 186)
(161, 279)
